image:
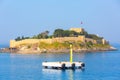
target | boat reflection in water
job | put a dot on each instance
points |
(68, 74)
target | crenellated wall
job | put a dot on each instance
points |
(72, 39)
(14, 43)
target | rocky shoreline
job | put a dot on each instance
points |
(29, 51)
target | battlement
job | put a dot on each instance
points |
(14, 43)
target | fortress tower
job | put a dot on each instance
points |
(79, 30)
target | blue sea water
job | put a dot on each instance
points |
(99, 66)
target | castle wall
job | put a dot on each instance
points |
(14, 43)
(90, 40)
(70, 39)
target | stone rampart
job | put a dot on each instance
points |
(90, 40)
(14, 43)
(70, 39)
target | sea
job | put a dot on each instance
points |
(98, 66)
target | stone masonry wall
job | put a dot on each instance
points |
(14, 43)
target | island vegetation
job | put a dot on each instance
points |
(59, 41)
(60, 33)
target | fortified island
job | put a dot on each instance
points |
(59, 42)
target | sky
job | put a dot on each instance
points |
(31, 17)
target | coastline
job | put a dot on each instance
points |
(28, 51)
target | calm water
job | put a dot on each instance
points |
(99, 66)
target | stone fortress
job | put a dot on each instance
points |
(81, 38)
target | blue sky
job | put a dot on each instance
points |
(30, 17)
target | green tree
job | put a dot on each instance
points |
(21, 38)
(18, 38)
(58, 33)
(93, 36)
(42, 35)
(66, 33)
(73, 34)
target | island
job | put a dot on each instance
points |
(59, 42)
